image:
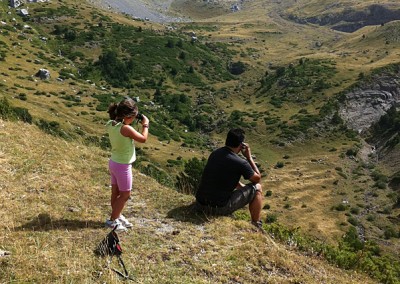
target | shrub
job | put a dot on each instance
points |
(391, 232)
(370, 218)
(22, 97)
(352, 221)
(6, 110)
(12, 113)
(355, 210)
(387, 210)
(351, 152)
(22, 114)
(189, 179)
(237, 68)
(380, 184)
(350, 254)
(343, 175)
(53, 128)
(271, 218)
(340, 207)
(158, 174)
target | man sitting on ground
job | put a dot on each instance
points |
(220, 191)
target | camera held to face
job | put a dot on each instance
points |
(139, 116)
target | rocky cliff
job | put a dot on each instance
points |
(350, 19)
(364, 105)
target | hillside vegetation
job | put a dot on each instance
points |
(329, 198)
(54, 202)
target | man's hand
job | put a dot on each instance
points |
(246, 150)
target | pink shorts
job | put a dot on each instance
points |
(121, 175)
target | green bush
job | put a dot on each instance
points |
(340, 207)
(8, 112)
(351, 152)
(380, 184)
(370, 218)
(355, 210)
(380, 179)
(271, 218)
(158, 174)
(53, 128)
(237, 68)
(353, 221)
(189, 179)
(351, 253)
(22, 96)
(23, 114)
(391, 232)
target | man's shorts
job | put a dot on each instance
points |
(239, 199)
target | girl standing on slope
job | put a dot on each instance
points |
(122, 136)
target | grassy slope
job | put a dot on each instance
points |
(54, 202)
(296, 184)
(278, 42)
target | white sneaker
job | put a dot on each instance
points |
(111, 224)
(125, 222)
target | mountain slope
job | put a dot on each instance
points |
(319, 177)
(54, 202)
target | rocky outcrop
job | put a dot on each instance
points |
(43, 74)
(4, 253)
(364, 106)
(350, 20)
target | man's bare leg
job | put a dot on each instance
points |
(255, 206)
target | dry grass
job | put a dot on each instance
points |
(55, 193)
(54, 202)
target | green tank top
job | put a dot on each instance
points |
(122, 148)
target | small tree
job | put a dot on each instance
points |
(189, 180)
(237, 68)
(170, 43)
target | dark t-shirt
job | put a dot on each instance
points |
(220, 177)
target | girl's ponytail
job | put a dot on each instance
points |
(112, 111)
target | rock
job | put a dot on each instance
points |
(43, 74)
(73, 209)
(4, 253)
(365, 106)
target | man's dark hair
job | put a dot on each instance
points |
(235, 137)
